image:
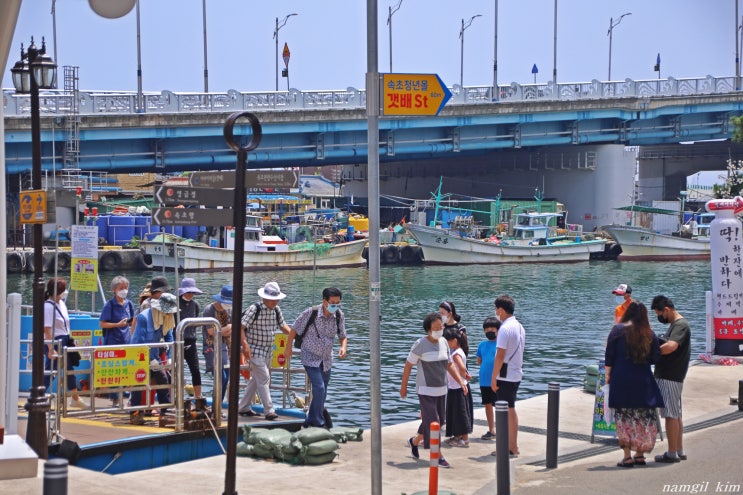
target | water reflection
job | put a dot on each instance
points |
(567, 311)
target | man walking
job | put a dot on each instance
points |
(259, 323)
(670, 373)
(507, 369)
(318, 326)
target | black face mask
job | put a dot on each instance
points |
(491, 335)
(662, 319)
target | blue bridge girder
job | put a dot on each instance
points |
(183, 131)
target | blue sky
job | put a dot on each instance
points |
(327, 40)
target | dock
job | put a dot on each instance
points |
(713, 439)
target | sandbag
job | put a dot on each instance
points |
(271, 438)
(314, 460)
(246, 431)
(321, 447)
(312, 434)
(244, 449)
(262, 452)
(287, 450)
(343, 434)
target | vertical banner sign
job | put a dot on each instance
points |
(279, 344)
(84, 267)
(727, 276)
(599, 424)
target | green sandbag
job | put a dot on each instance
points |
(286, 450)
(244, 449)
(262, 452)
(312, 434)
(271, 438)
(246, 429)
(314, 460)
(343, 434)
(318, 448)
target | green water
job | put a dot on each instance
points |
(567, 310)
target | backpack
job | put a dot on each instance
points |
(257, 307)
(298, 338)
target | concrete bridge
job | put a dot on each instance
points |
(183, 131)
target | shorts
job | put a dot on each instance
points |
(671, 393)
(507, 392)
(488, 396)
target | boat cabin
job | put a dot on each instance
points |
(532, 226)
(255, 240)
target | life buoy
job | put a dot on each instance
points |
(110, 261)
(63, 262)
(390, 254)
(15, 261)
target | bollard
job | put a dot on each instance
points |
(740, 395)
(502, 473)
(553, 419)
(55, 477)
(433, 470)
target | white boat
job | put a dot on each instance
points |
(534, 240)
(643, 244)
(262, 252)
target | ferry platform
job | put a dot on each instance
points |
(713, 439)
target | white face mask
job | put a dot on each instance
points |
(437, 334)
(122, 293)
(64, 294)
(496, 315)
(444, 319)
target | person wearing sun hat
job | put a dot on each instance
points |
(624, 299)
(259, 324)
(189, 308)
(220, 310)
(154, 324)
(158, 286)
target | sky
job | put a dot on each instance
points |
(327, 41)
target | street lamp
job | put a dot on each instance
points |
(612, 25)
(465, 25)
(389, 23)
(276, 37)
(28, 77)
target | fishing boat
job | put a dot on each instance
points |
(529, 236)
(262, 252)
(690, 242)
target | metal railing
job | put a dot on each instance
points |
(59, 103)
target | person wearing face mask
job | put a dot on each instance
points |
(451, 320)
(670, 372)
(189, 308)
(117, 319)
(319, 327)
(57, 327)
(432, 359)
(485, 359)
(623, 295)
(220, 310)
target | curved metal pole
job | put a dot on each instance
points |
(610, 33)
(461, 55)
(140, 98)
(276, 37)
(389, 23)
(206, 65)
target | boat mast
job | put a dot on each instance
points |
(437, 198)
(538, 195)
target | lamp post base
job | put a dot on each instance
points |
(36, 428)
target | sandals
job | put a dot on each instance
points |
(627, 462)
(640, 460)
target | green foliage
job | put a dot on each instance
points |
(733, 184)
(737, 129)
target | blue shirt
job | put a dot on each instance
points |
(486, 352)
(113, 312)
(145, 333)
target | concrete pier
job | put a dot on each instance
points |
(713, 439)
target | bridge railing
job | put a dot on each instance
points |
(57, 102)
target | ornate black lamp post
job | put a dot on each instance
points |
(39, 71)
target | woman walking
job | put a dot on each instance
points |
(630, 350)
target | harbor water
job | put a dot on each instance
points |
(566, 309)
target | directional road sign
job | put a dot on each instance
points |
(258, 179)
(33, 206)
(193, 196)
(192, 216)
(413, 94)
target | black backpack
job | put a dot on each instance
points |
(257, 307)
(298, 338)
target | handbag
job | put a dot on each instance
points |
(73, 357)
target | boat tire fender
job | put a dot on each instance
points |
(390, 254)
(15, 262)
(408, 255)
(145, 261)
(31, 267)
(110, 261)
(63, 261)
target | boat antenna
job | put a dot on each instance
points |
(437, 197)
(538, 195)
(497, 208)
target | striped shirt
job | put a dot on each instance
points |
(432, 362)
(260, 331)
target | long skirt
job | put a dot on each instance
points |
(458, 416)
(636, 428)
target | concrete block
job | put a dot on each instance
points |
(17, 459)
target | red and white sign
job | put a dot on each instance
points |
(286, 54)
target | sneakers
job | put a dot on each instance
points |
(136, 418)
(443, 463)
(665, 458)
(78, 403)
(413, 448)
(249, 413)
(272, 416)
(488, 436)
(115, 402)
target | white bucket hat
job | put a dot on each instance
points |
(271, 291)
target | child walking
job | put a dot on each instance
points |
(458, 397)
(485, 359)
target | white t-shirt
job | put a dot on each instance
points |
(58, 319)
(450, 381)
(512, 338)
